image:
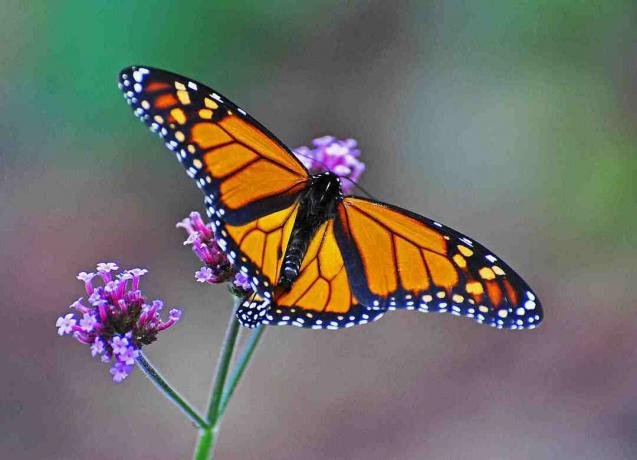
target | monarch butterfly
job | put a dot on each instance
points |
(316, 258)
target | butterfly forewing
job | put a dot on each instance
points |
(250, 179)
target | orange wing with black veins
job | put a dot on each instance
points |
(320, 298)
(398, 259)
(250, 179)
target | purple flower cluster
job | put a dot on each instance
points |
(217, 268)
(338, 156)
(116, 320)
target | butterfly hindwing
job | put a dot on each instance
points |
(321, 297)
(248, 176)
(252, 311)
(261, 244)
(398, 259)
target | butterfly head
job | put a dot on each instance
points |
(326, 187)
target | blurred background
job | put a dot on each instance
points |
(514, 122)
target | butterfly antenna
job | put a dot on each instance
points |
(360, 187)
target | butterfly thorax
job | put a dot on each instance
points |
(317, 204)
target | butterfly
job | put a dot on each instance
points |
(315, 257)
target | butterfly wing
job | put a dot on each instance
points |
(251, 181)
(320, 298)
(371, 254)
(398, 259)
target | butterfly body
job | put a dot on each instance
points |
(317, 204)
(314, 257)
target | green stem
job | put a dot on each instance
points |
(221, 389)
(223, 365)
(169, 392)
(240, 367)
(204, 444)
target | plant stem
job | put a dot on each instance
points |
(240, 367)
(208, 436)
(169, 392)
(204, 443)
(222, 390)
(223, 365)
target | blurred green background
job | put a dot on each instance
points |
(514, 122)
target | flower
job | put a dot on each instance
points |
(65, 324)
(119, 344)
(242, 281)
(340, 157)
(86, 277)
(88, 322)
(106, 267)
(205, 274)
(117, 320)
(120, 371)
(97, 348)
(175, 314)
(128, 355)
(217, 268)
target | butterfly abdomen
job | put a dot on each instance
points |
(294, 256)
(316, 206)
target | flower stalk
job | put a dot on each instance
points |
(208, 436)
(204, 445)
(223, 365)
(163, 386)
(242, 362)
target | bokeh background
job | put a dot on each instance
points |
(514, 122)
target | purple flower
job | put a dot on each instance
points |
(128, 356)
(120, 371)
(193, 238)
(86, 277)
(173, 316)
(204, 274)
(217, 268)
(98, 347)
(127, 275)
(107, 267)
(79, 306)
(338, 156)
(119, 344)
(88, 322)
(242, 281)
(117, 320)
(65, 324)
(137, 272)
